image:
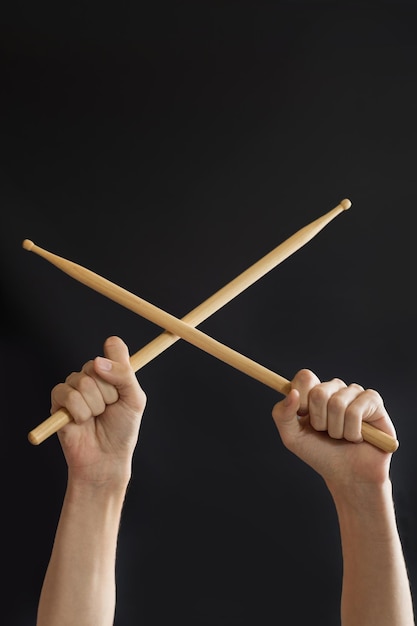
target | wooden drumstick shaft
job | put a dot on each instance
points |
(146, 354)
(189, 333)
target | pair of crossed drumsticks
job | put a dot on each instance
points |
(186, 327)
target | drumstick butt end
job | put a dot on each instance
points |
(395, 445)
(34, 439)
(28, 244)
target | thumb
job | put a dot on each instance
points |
(116, 350)
(285, 417)
(116, 369)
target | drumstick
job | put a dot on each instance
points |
(191, 334)
(62, 417)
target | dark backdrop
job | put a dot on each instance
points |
(168, 146)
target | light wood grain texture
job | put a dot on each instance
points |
(185, 328)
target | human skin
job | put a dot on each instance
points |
(318, 422)
(327, 437)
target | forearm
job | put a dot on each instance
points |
(375, 583)
(79, 585)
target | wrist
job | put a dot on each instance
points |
(111, 489)
(108, 474)
(362, 495)
(366, 508)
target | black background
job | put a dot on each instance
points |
(167, 147)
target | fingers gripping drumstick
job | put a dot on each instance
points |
(182, 328)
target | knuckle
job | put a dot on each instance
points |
(88, 367)
(86, 384)
(58, 389)
(318, 394)
(356, 387)
(72, 377)
(76, 406)
(374, 396)
(305, 377)
(336, 403)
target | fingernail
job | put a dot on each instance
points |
(104, 364)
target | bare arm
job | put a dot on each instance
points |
(327, 436)
(375, 582)
(79, 585)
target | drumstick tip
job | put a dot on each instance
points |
(28, 244)
(346, 204)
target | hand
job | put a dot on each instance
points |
(321, 424)
(106, 403)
